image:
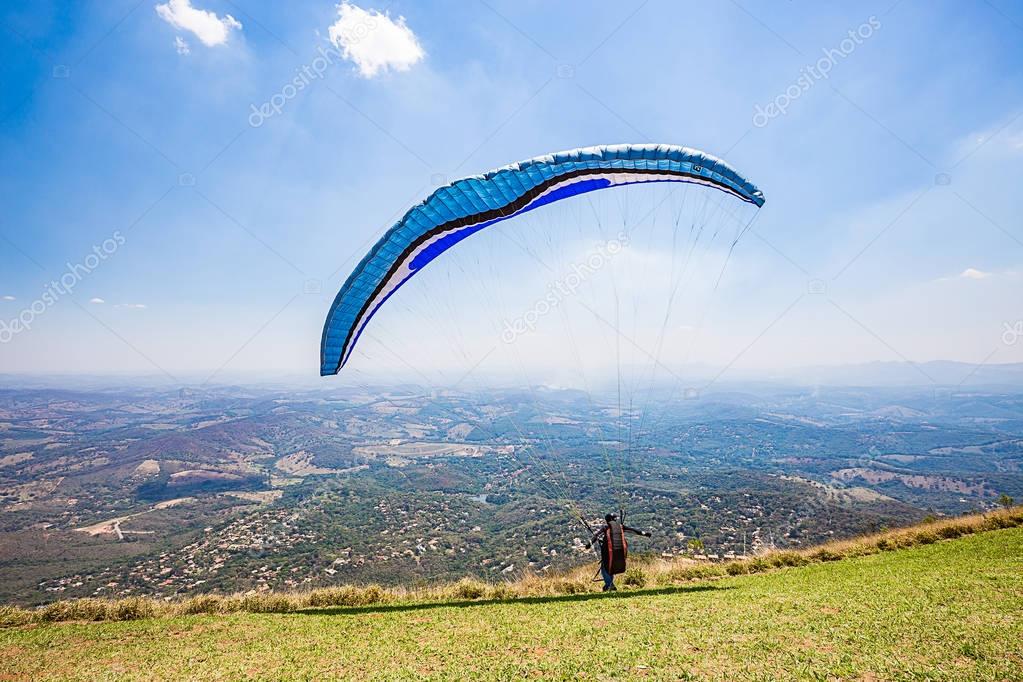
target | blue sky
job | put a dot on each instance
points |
(892, 183)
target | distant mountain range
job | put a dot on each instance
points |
(942, 373)
(938, 373)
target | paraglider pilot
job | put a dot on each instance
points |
(613, 548)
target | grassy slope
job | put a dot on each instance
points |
(951, 610)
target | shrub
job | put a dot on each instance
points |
(780, 559)
(635, 577)
(971, 526)
(996, 522)
(736, 568)
(467, 588)
(203, 603)
(12, 615)
(500, 591)
(860, 549)
(825, 554)
(662, 578)
(267, 603)
(57, 611)
(333, 596)
(75, 609)
(347, 595)
(758, 565)
(565, 586)
(328, 596)
(131, 608)
(372, 594)
(678, 575)
(905, 541)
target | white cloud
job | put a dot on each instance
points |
(976, 275)
(98, 301)
(210, 29)
(181, 46)
(133, 306)
(373, 41)
(8, 298)
(968, 273)
(973, 273)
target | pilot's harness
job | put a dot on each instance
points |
(615, 546)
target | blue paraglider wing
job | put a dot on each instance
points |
(463, 208)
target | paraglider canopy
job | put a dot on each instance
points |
(458, 210)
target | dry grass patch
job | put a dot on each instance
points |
(643, 572)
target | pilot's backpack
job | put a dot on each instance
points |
(616, 549)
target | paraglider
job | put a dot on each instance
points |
(464, 207)
(704, 199)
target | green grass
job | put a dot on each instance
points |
(948, 610)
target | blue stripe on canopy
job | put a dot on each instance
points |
(459, 210)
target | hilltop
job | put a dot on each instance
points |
(131, 492)
(903, 605)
